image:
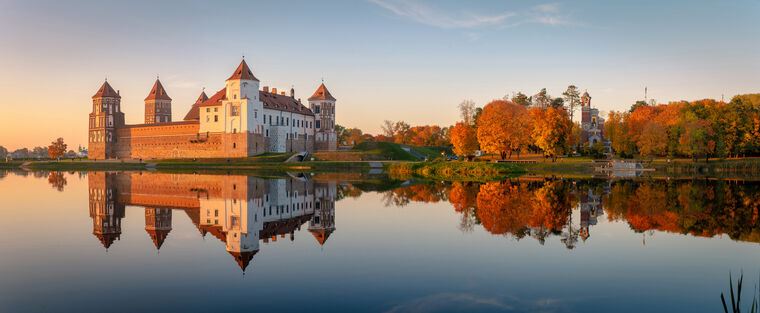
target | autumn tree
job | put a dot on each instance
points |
(504, 128)
(551, 130)
(57, 149)
(616, 130)
(57, 180)
(696, 140)
(464, 138)
(653, 140)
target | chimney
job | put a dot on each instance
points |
(282, 93)
(274, 90)
(266, 88)
(118, 92)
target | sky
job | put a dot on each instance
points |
(412, 60)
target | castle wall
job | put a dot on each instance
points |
(183, 140)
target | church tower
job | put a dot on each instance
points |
(105, 118)
(158, 224)
(158, 105)
(322, 103)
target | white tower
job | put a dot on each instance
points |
(243, 107)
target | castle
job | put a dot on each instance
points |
(240, 120)
(242, 212)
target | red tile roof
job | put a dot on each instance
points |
(195, 112)
(322, 94)
(270, 100)
(283, 103)
(106, 91)
(243, 72)
(216, 99)
(321, 235)
(157, 92)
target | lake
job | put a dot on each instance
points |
(144, 242)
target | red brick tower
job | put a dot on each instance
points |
(158, 105)
(106, 116)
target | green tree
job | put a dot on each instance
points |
(521, 99)
(572, 99)
(542, 99)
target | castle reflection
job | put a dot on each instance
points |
(240, 211)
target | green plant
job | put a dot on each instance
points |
(736, 301)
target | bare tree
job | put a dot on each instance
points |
(467, 111)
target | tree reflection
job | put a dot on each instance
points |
(57, 180)
(541, 208)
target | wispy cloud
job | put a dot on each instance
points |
(421, 12)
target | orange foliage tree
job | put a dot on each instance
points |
(57, 149)
(552, 131)
(464, 139)
(504, 128)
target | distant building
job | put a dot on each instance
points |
(592, 125)
(239, 120)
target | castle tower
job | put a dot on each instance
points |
(240, 110)
(158, 105)
(322, 223)
(322, 103)
(105, 118)
(158, 224)
(105, 211)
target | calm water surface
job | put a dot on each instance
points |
(144, 242)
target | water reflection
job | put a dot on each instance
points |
(568, 209)
(240, 211)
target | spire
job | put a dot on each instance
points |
(157, 92)
(106, 91)
(195, 110)
(243, 72)
(321, 235)
(202, 98)
(158, 236)
(322, 94)
(243, 258)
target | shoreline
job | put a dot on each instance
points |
(457, 170)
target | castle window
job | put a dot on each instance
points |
(216, 109)
(208, 110)
(267, 133)
(234, 145)
(318, 124)
(316, 109)
(216, 118)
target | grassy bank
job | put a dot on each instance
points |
(460, 171)
(184, 165)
